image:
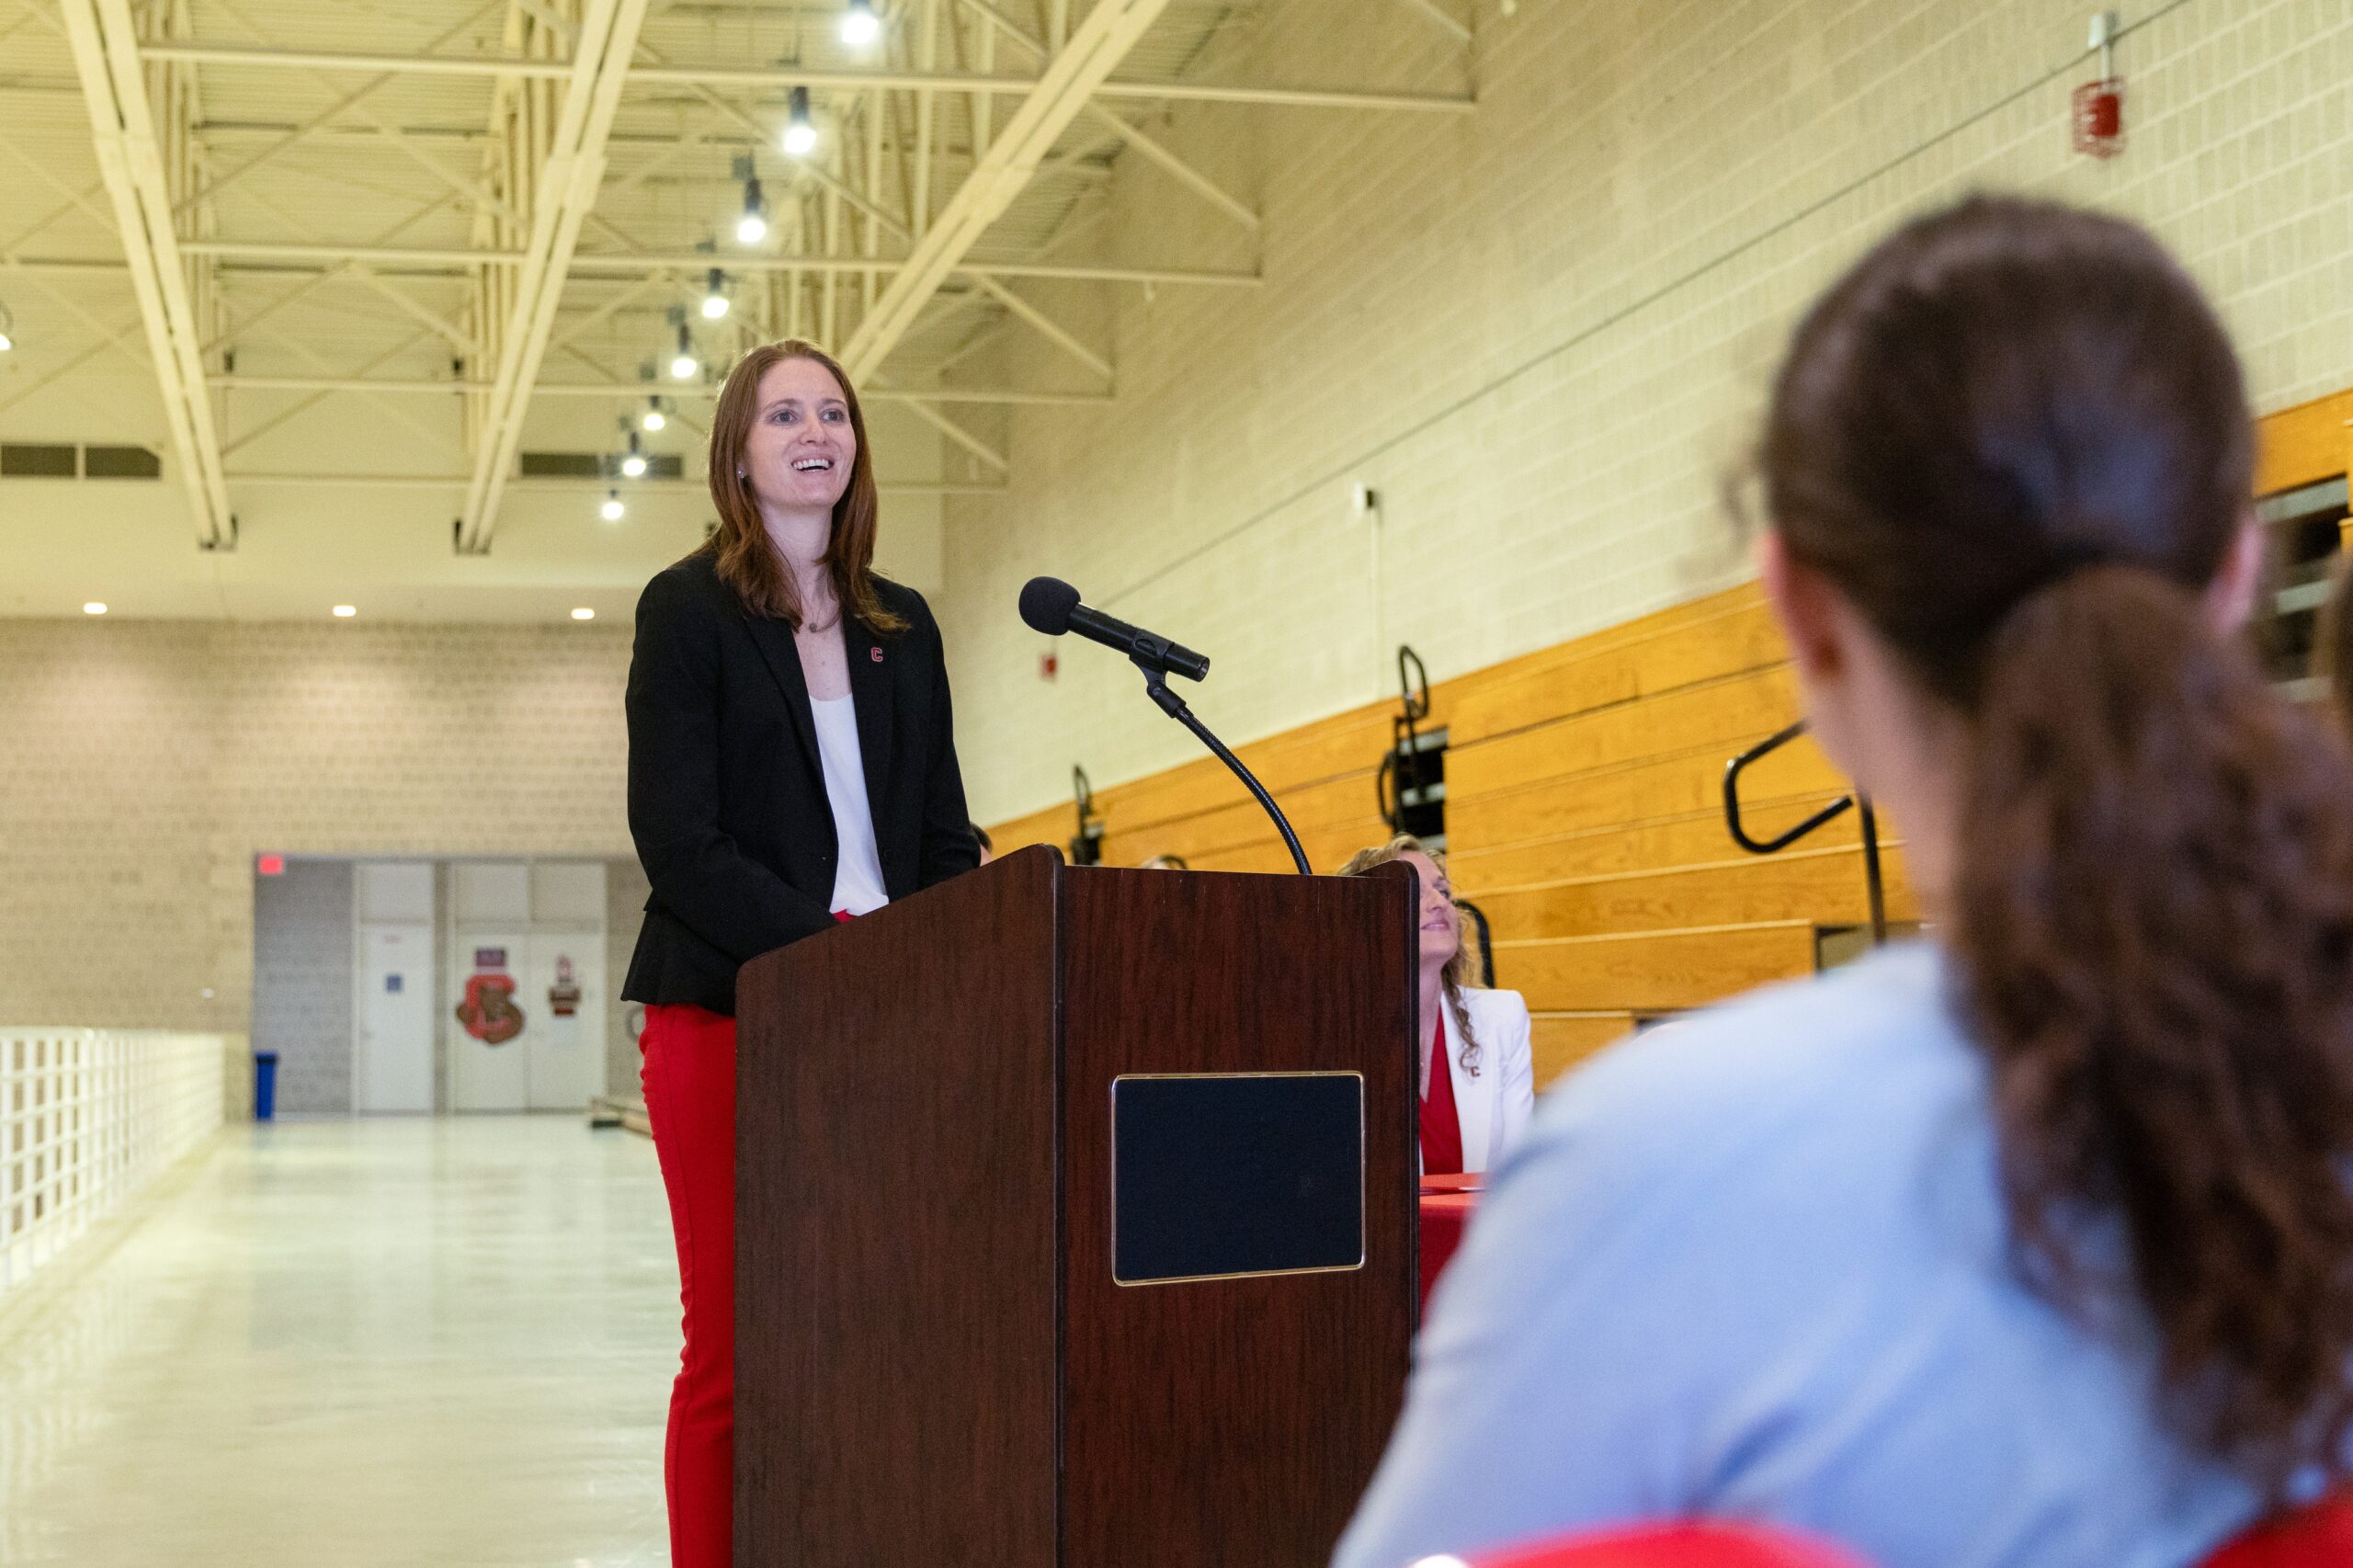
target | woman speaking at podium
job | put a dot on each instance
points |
(791, 763)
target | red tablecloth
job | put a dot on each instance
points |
(1447, 1204)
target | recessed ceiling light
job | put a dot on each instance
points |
(583, 613)
(93, 608)
(346, 612)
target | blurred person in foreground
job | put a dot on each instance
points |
(2029, 1244)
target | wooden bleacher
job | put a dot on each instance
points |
(1583, 802)
(1583, 816)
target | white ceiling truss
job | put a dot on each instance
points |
(464, 222)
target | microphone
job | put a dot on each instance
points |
(1050, 606)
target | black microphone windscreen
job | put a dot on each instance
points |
(1046, 604)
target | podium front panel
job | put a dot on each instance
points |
(895, 1355)
(1232, 1422)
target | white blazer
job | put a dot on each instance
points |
(1494, 1107)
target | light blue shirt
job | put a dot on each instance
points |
(1753, 1265)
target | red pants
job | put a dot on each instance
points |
(689, 1078)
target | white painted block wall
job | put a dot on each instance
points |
(1542, 330)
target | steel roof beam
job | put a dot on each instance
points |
(699, 390)
(1095, 49)
(105, 43)
(716, 75)
(566, 188)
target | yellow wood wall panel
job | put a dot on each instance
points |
(1346, 743)
(2303, 444)
(1824, 886)
(1328, 849)
(1656, 972)
(1559, 1041)
(1692, 839)
(1311, 809)
(1447, 693)
(1737, 638)
(1673, 786)
(1054, 825)
(1725, 715)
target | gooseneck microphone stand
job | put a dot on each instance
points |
(1155, 682)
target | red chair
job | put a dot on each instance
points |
(2317, 1537)
(1670, 1546)
(2320, 1535)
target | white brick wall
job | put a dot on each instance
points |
(1542, 330)
(149, 761)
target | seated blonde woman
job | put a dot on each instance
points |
(1476, 1108)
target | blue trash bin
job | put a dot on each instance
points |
(265, 1084)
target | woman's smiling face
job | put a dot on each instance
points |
(1441, 927)
(801, 448)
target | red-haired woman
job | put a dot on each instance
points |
(2030, 1245)
(791, 763)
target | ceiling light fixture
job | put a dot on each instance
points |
(753, 226)
(683, 365)
(860, 26)
(93, 608)
(714, 301)
(7, 330)
(583, 613)
(633, 465)
(612, 509)
(344, 612)
(800, 132)
(653, 418)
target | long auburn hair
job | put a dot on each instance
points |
(747, 558)
(2014, 436)
(1462, 971)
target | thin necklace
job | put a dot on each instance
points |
(816, 629)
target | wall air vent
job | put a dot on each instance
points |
(37, 463)
(597, 465)
(60, 462)
(120, 462)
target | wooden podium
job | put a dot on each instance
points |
(944, 1354)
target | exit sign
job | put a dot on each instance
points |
(270, 865)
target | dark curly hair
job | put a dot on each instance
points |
(2014, 436)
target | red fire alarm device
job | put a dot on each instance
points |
(1048, 665)
(269, 865)
(2099, 116)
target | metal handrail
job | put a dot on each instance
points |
(1086, 845)
(1739, 765)
(1874, 884)
(1402, 737)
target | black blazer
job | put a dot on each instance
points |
(726, 793)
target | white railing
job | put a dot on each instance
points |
(87, 1117)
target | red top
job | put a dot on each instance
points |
(1441, 1126)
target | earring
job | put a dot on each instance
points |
(739, 473)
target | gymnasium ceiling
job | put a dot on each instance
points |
(399, 269)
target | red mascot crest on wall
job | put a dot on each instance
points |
(488, 1012)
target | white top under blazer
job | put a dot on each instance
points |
(1492, 1106)
(857, 874)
